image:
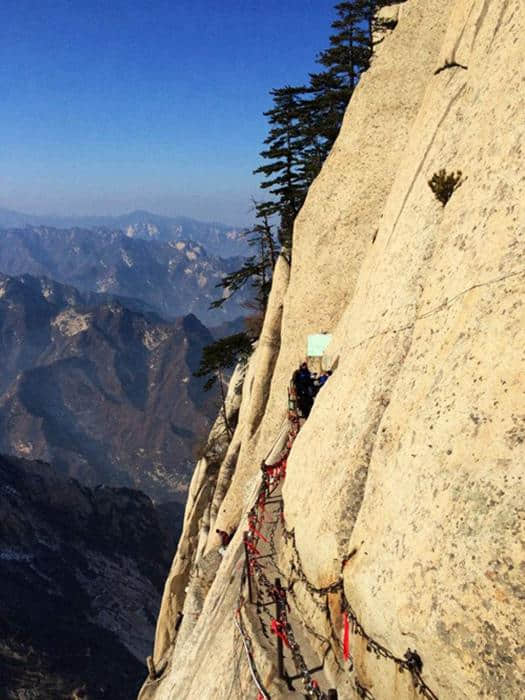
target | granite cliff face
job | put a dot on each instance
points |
(402, 505)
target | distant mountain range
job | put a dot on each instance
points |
(105, 393)
(172, 278)
(218, 239)
(99, 339)
(82, 572)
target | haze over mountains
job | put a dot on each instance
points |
(218, 239)
(100, 338)
(173, 278)
(104, 393)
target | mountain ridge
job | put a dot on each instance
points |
(173, 278)
(218, 238)
(105, 393)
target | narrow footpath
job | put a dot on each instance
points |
(267, 603)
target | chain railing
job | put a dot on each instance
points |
(263, 592)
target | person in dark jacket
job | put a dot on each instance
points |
(304, 387)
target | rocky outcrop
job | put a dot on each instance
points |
(196, 530)
(82, 573)
(403, 490)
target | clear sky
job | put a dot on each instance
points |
(114, 105)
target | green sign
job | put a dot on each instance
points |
(318, 343)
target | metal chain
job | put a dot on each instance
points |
(289, 536)
(270, 481)
(248, 645)
(363, 692)
(412, 662)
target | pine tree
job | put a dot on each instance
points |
(261, 236)
(321, 114)
(284, 174)
(304, 123)
(344, 61)
(349, 51)
(330, 90)
(257, 269)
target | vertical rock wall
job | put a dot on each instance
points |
(411, 461)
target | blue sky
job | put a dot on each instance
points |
(114, 105)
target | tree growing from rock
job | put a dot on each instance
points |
(216, 359)
(304, 122)
(256, 270)
(283, 172)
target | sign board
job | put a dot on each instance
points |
(318, 343)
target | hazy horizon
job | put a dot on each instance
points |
(114, 107)
(169, 212)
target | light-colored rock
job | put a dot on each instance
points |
(247, 450)
(412, 458)
(71, 322)
(154, 337)
(196, 522)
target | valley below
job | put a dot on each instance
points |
(104, 393)
(82, 572)
(101, 421)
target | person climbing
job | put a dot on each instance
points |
(304, 387)
(226, 538)
(302, 379)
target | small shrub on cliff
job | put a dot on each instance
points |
(444, 184)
